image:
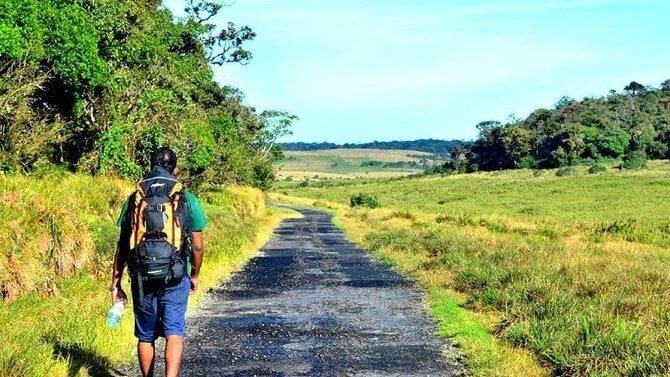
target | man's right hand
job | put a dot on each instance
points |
(117, 295)
(194, 284)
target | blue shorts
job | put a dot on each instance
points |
(162, 310)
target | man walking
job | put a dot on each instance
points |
(161, 242)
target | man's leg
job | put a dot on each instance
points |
(173, 304)
(146, 321)
(174, 348)
(146, 352)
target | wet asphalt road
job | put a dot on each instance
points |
(311, 304)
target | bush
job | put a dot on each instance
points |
(566, 172)
(596, 168)
(527, 162)
(635, 160)
(364, 200)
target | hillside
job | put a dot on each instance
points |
(352, 163)
(433, 146)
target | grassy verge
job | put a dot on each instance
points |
(473, 332)
(525, 269)
(53, 323)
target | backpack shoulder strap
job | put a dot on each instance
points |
(126, 224)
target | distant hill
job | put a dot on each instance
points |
(354, 163)
(423, 145)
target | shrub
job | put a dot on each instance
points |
(597, 168)
(364, 200)
(403, 215)
(635, 160)
(566, 172)
(527, 162)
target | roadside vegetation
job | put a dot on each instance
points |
(95, 85)
(88, 90)
(56, 261)
(528, 269)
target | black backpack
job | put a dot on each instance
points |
(159, 229)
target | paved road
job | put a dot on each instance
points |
(312, 304)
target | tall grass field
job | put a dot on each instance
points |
(57, 245)
(531, 273)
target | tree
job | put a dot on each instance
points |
(634, 88)
(274, 125)
(565, 101)
(633, 125)
(97, 85)
(225, 45)
(459, 159)
(517, 142)
(489, 148)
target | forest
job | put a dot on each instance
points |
(422, 145)
(629, 126)
(94, 86)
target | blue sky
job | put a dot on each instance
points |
(364, 70)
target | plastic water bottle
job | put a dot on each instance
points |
(115, 313)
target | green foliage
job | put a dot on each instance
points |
(597, 168)
(364, 200)
(113, 157)
(72, 41)
(98, 85)
(150, 139)
(635, 160)
(263, 176)
(592, 129)
(200, 147)
(527, 162)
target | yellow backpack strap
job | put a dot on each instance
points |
(176, 196)
(137, 216)
(177, 188)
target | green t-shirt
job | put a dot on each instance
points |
(198, 218)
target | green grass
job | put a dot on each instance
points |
(573, 270)
(53, 324)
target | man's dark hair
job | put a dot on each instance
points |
(165, 158)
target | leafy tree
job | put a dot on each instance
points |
(222, 46)
(565, 101)
(630, 126)
(517, 142)
(274, 125)
(635, 88)
(96, 85)
(489, 148)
